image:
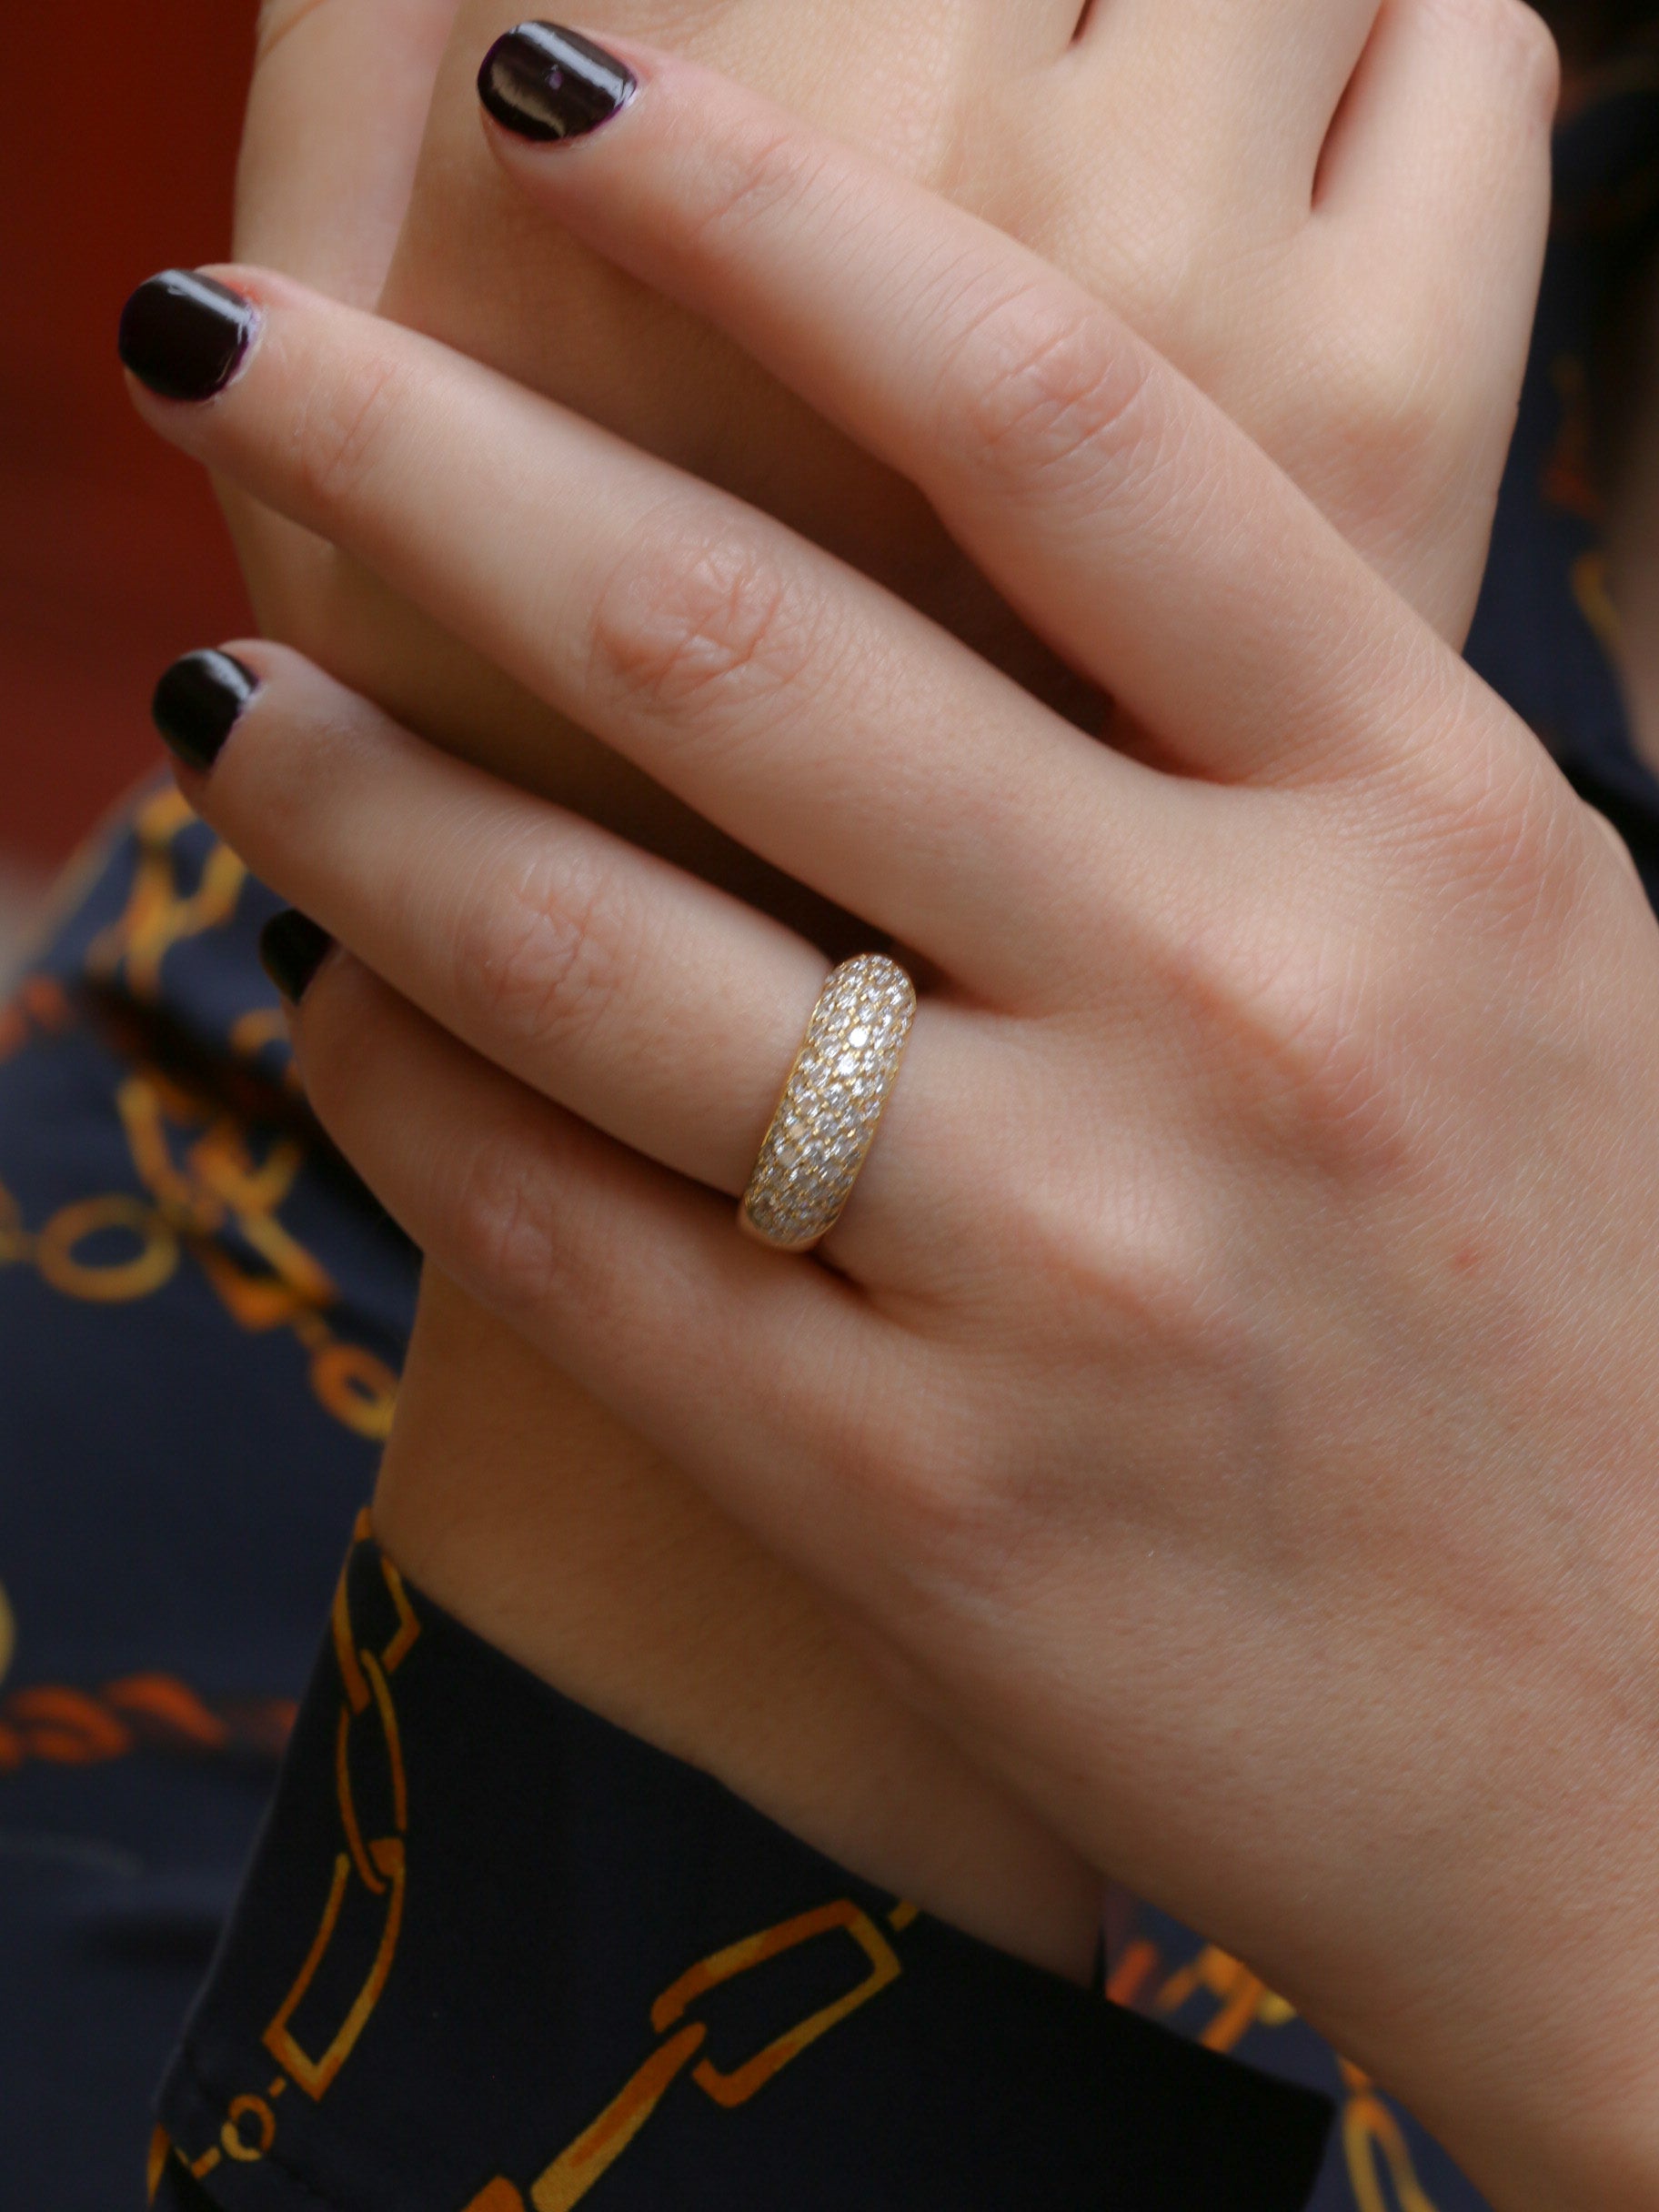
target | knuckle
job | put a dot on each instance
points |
(501, 1233)
(924, 1479)
(1398, 434)
(1514, 38)
(692, 625)
(1293, 1023)
(1144, 1278)
(1521, 34)
(541, 956)
(341, 432)
(1131, 1266)
(1318, 1083)
(1515, 833)
(1044, 382)
(1394, 416)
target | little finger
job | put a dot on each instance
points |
(661, 1009)
(740, 1364)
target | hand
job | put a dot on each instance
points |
(1355, 293)
(1329, 217)
(532, 1514)
(1239, 1425)
(512, 1496)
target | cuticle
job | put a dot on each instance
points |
(250, 346)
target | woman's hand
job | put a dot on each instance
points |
(1328, 213)
(513, 1497)
(1331, 217)
(1235, 1392)
(1357, 293)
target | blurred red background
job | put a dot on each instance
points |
(119, 130)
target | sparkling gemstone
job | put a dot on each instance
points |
(827, 1119)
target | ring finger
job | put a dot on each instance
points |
(656, 1008)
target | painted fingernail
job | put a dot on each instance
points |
(545, 83)
(291, 950)
(185, 336)
(197, 703)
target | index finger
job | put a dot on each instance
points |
(1132, 524)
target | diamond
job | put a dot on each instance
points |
(832, 1102)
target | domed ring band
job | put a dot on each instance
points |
(826, 1120)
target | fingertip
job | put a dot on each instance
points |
(292, 951)
(185, 336)
(198, 701)
(342, 1026)
(542, 85)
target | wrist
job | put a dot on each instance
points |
(1532, 2066)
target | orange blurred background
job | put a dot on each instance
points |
(119, 130)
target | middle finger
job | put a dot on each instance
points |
(795, 704)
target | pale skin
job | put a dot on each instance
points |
(511, 1493)
(1261, 1447)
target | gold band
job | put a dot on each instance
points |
(826, 1119)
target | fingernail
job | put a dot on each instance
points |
(185, 336)
(545, 83)
(197, 703)
(291, 950)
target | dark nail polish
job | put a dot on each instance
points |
(291, 950)
(185, 336)
(544, 83)
(197, 703)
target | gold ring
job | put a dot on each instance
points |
(826, 1120)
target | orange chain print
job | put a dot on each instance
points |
(596, 2150)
